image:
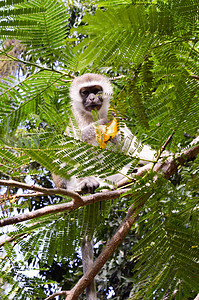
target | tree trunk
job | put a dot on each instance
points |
(87, 261)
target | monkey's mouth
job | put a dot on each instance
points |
(93, 106)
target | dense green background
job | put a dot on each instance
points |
(154, 45)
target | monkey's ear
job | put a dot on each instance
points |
(105, 133)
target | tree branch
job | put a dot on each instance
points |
(76, 197)
(12, 58)
(69, 206)
(65, 293)
(195, 77)
(9, 239)
(106, 252)
(170, 166)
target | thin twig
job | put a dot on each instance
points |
(65, 293)
(35, 65)
(167, 142)
(9, 239)
(43, 190)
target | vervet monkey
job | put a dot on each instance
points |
(91, 92)
(87, 93)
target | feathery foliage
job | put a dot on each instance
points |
(154, 45)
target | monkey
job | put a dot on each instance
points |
(88, 92)
(92, 92)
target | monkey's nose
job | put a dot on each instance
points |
(92, 97)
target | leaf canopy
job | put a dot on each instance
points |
(150, 49)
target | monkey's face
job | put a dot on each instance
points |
(92, 97)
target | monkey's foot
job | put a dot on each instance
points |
(87, 185)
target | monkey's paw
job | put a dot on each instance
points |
(87, 185)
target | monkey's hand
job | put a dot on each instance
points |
(103, 121)
(105, 133)
(87, 185)
(88, 134)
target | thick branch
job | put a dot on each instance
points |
(106, 253)
(170, 166)
(69, 206)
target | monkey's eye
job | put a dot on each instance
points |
(85, 93)
(97, 91)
